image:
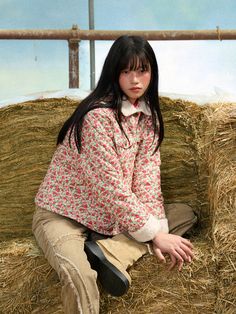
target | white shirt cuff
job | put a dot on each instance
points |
(150, 229)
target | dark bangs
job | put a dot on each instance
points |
(133, 61)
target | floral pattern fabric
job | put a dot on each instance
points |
(113, 184)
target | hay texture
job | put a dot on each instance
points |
(182, 181)
(196, 169)
(219, 151)
(28, 283)
(28, 135)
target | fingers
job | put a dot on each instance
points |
(178, 248)
(180, 265)
(187, 243)
(181, 255)
(187, 250)
(177, 255)
(173, 262)
(159, 255)
(185, 253)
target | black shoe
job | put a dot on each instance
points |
(112, 280)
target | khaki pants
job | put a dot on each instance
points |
(62, 241)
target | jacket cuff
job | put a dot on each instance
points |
(150, 229)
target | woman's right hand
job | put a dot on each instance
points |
(179, 249)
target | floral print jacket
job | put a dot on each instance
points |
(113, 184)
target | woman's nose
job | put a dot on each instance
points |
(133, 78)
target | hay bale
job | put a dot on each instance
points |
(219, 148)
(194, 162)
(156, 290)
(182, 178)
(27, 147)
(28, 134)
(29, 285)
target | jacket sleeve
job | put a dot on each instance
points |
(104, 177)
(146, 183)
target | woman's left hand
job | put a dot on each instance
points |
(174, 261)
(180, 264)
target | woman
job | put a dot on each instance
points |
(105, 177)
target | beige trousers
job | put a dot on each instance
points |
(62, 241)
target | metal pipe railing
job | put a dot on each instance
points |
(74, 35)
(77, 34)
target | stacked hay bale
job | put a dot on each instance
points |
(157, 290)
(183, 180)
(219, 150)
(28, 283)
(28, 140)
(28, 134)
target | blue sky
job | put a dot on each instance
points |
(185, 66)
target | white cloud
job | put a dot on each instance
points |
(194, 67)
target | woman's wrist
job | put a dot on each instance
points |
(157, 237)
(149, 230)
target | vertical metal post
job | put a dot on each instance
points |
(73, 64)
(73, 61)
(92, 46)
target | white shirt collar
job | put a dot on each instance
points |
(128, 109)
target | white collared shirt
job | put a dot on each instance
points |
(128, 109)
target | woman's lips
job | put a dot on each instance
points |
(135, 89)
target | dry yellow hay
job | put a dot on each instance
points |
(156, 290)
(196, 169)
(28, 134)
(29, 285)
(28, 140)
(182, 177)
(219, 148)
(27, 281)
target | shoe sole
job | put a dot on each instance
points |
(112, 280)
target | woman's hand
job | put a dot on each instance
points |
(178, 248)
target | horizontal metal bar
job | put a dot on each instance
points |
(78, 34)
(162, 35)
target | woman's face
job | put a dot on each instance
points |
(134, 83)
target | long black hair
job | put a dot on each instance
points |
(126, 52)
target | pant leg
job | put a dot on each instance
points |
(62, 241)
(124, 249)
(181, 218)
